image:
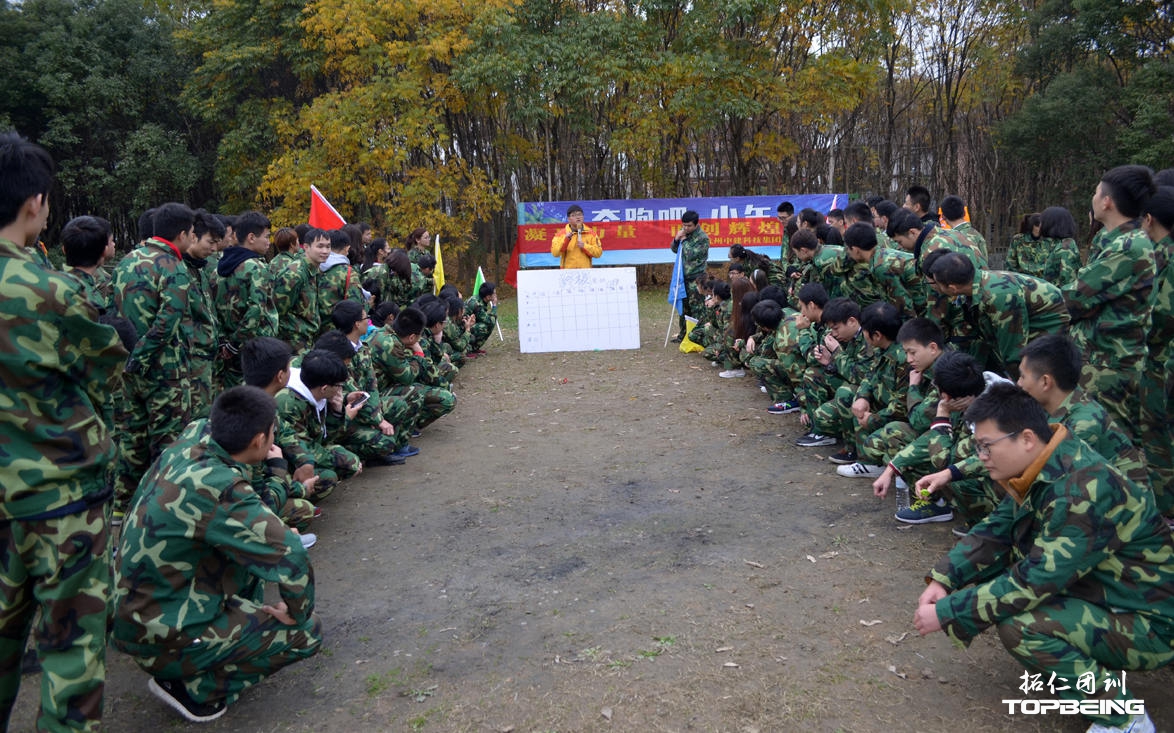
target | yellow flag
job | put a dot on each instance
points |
(438, 273)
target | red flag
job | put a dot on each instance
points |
(511, 270)
(322, 214)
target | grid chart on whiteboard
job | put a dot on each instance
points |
(578, 310)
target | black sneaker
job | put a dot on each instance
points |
(176, 697)
(844, 457)
(814, 440)
(678, 338)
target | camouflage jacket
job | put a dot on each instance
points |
(886, 387)
(1061, 261)
(827, 268)
(338, 281)
(1008, 310)
(301, 425)
(694, 254)
(282, 261)
(1027, 255)
(151, 290)
(56, 376)
(1109, 301)
(888, 277)
(198, 537)
(244, 297)
(295, 294)
(96, 287)
(202, 325)
(1072, 526)
(967, 230)
(486, 319)
(396, 366)
(921, 404)
(1161, 335)
(400, 291)
(855, 360)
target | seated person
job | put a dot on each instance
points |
(1074, 567)
(310, 418)
(438, 352)
(879, 399)
(404, 371)
(457, 329)
(483, 307)
(710, 332)
(923, 342)
(186, 605)
(841, 361)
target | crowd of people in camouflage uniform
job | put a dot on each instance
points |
(1035, 402)
(206, 396)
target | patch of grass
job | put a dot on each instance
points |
(591, 654)
(618, 664)
(665, 641)
(650, 653)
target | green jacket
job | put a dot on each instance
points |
(886, 386)
(57, 371)
(295, 294)
(1109, 301)
(244, 297)
(695, 255)
(198, 537)
(1009, 310)
(151, 287)
(1082, 530)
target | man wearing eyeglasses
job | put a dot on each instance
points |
(1075, 567)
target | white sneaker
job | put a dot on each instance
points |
(714, 363)
(1139, 723)
(762, 389)
(732, 373)
(860, 470)
(309, 539)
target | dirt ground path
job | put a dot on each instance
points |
(617, 541)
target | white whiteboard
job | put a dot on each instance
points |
(578, 310)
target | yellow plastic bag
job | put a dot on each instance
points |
(687, 346)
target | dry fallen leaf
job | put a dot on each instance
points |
(896, 639)
(812, 559)
(606, 713)
(902, 675)
(724, 649)
(753, 564)
(730, 664)
(873, 622)
(829, 555)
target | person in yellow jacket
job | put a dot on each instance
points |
(578, 243)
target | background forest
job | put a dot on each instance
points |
(446, 113)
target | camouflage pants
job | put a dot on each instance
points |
(973, 499)
(880, 446)
(401, 410)
(1071, 637)
(835, 417)
(148, 418)
(1157, 432)
(437, 402)
(480, 333)
(202, 385)
(332, 463)
(297, 513)
(242, 647)
(1117, 388)
(368, 442)
(694, 305)
(62, 567)
(816, 387)
(772, 373)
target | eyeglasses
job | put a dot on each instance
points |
(984, 449)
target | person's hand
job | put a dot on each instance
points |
(274, 452)
(802, 321)
(309, 485)
(822, 355)
(354, 403)
(750, 345)
(303, 472)
(880, 487)
(959, 404)
(280, 612)
(860, 409)
(830, 343)
(914, 377)
(925, 619)
(804, 420)
(386, 428)
(335, 402)
(469, 321)
(926, 485)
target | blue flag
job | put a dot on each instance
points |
(677, 291)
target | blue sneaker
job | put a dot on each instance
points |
(407, 451)
(783, 408)
(923, 512)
